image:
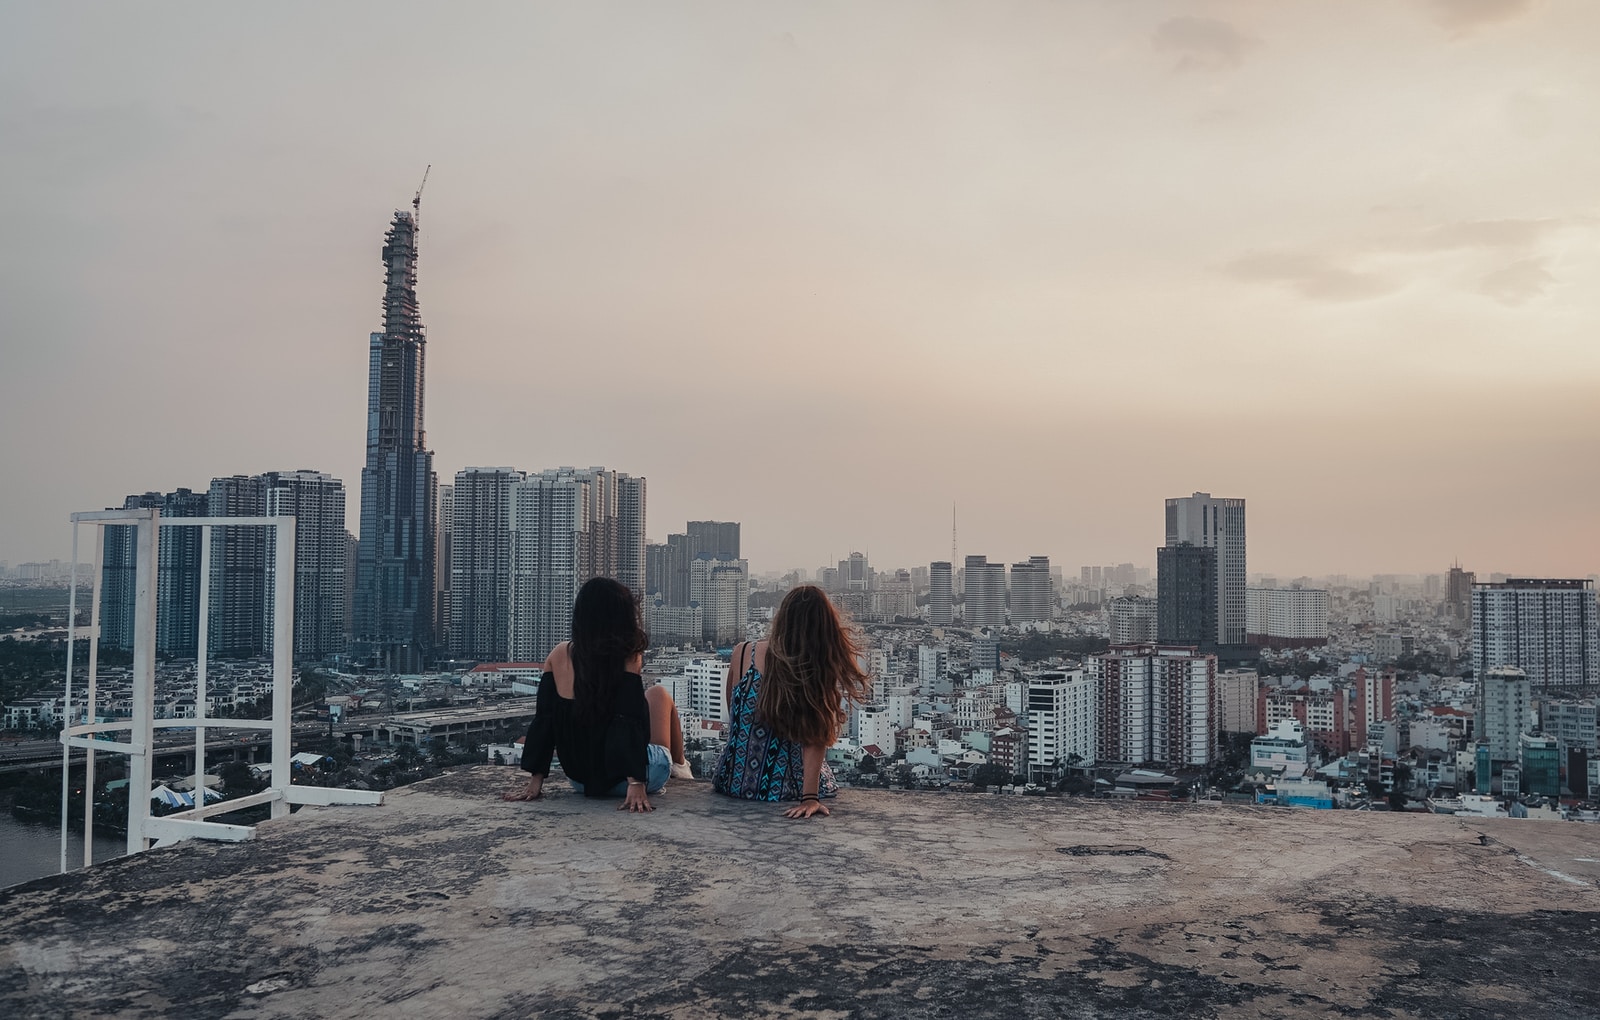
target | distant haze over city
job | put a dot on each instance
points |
(826, 271)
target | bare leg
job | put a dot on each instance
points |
(666, 728)
(676, 747)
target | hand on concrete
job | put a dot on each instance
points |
(807, 808)
(533, 791)
(637, 799)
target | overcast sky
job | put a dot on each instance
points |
(826, 268)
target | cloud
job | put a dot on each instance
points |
(1464, 17)
(1312, 276)
(1515, 253)
(1203, 44)
(1511, 233)
(1519, 282)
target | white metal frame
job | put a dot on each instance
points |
(139, 745)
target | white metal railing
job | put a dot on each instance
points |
(139, 746)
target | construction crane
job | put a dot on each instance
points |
(416, 203)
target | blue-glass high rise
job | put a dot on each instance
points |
(394, 604)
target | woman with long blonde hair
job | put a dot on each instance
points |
(787, 698)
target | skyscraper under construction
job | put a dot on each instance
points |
(394, 604)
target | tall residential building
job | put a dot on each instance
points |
(933, 666)
(1186, 599)
(718, 538)
(177, 576)
(658, 560)
(548, 514)
(1031, 591)
(857, 605)
(480, 565)
(568, 525)
(1324, 714)
(315, 500)
(667, 564)
(178, 598)
(1237, 694)
(1504, 709)
(1373, 702)
(237, 624)
(941, 594)
(677, 587)
(673, 567)
(1156, 704)
(1062, 721)
(1132, 620)
(117, 584)
(985, 593)
(1215, 523)
(1458, 593)
(896, 596)
(1540, 761)
(875, 727)
(352, 546)
(395, 562)
(985, 651)
(919, 579)
(1286, 617)
(626, 559)
(855, 573)
(1544, 626)
(721, 590)
(442, 566)
(1572, 722)
(700, 689)
(672, 625)
(901, 701)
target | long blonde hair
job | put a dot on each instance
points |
(812, 674)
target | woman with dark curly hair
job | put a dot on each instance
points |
(787, 697)
(615, 738)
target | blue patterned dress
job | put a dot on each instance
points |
(754, 764)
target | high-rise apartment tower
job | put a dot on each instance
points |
(315, 500)
(178, 577)
(985, 599)
(480, 562)
(566, 526)
(1543, 626)
(1214, 523)
(237, 624)
(1186, 595)
(1031, 591)
(1156, 705)
(941, 594)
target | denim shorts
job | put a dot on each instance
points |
(660, 766)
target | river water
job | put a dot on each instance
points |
(29, 850)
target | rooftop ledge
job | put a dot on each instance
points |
(447, 902)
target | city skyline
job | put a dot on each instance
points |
(947, 255)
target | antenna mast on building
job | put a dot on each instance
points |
(952, 535)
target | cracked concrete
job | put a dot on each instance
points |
(448, 902)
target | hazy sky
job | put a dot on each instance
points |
(824, 268)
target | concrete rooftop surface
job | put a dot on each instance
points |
(447, 902)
